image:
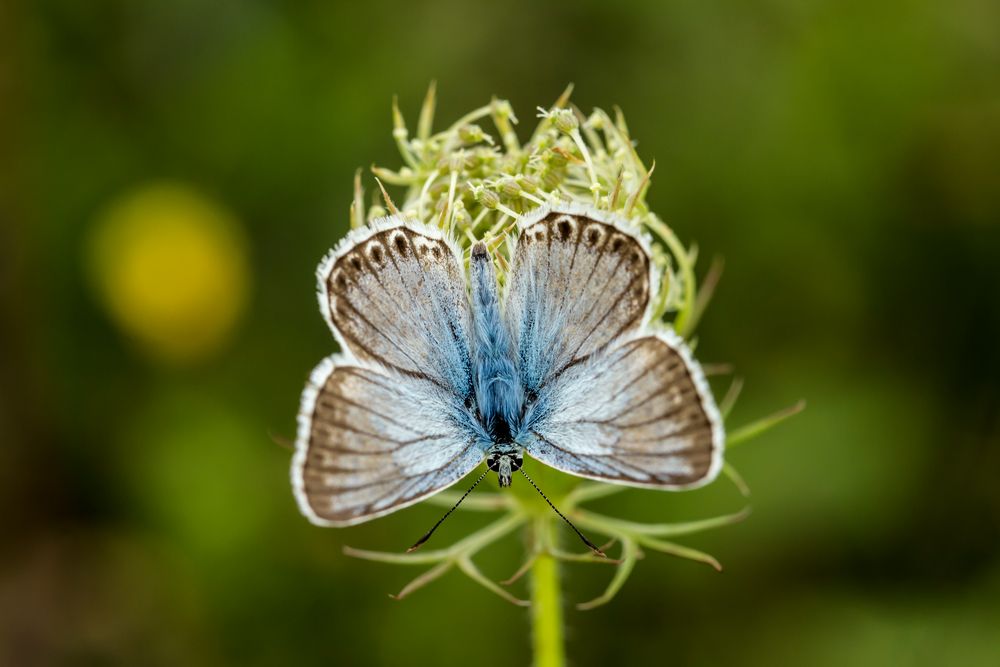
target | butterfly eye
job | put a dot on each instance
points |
(469, 403)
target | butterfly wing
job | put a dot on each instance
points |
(394, 293)
(639, 413)
(577, 283)
(373, 440)
(610, 399)
(384, 424)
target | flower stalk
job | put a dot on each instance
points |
(546, 606)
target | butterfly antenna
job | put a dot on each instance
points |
(576, 530)
(430, 532)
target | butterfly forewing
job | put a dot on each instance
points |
(577, 283)
(372, 441)
(395, 293)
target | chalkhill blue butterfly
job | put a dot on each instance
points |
(440, 369)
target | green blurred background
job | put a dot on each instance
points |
(844, 158)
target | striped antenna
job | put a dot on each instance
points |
(576, 530)
(430, 532)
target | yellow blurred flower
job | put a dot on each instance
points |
(170, 266)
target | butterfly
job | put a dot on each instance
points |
(440, 369)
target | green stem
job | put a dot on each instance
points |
(684, 266)
(546, 613)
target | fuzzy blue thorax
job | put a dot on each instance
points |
(499, 395)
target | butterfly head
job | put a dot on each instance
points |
(504, 460)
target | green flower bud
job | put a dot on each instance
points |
(486, 197)
(555, 159)
(473, 134)
(509, 187)
(565, 120)
(502, 109)
(528, 183)
(551, 178)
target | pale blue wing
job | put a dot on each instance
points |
(578, 281)
(373, 440)
(385, 423)
(638, 413)
(394, 293)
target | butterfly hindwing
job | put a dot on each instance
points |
(373, 440)
(639, 413)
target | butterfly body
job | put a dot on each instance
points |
(499, 397)
(441, 370)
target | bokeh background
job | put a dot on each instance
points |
(170, 173)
